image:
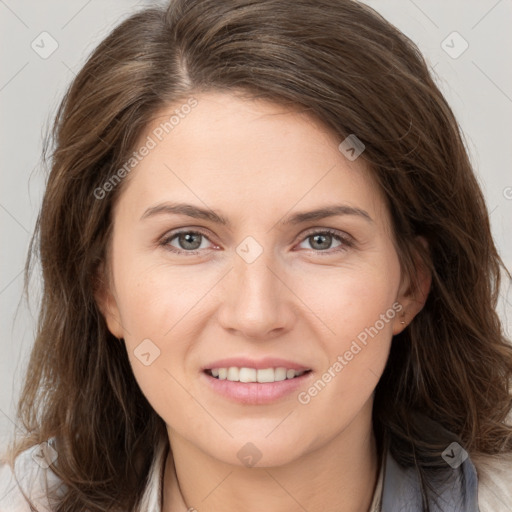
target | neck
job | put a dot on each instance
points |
(338, 477)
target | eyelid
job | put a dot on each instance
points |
(318, 230)
(167, 237)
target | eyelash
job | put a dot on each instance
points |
(346, 240)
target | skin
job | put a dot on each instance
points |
(256, 163)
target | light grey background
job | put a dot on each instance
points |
(477, 84)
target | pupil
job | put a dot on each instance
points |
(325, 237)
(187, 238)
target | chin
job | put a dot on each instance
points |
(258, 451)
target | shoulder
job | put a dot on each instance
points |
(494, 481)
(29, 478)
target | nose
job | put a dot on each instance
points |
(257, 299)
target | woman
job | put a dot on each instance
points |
(270, 280)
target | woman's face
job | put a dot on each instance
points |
(268, 288)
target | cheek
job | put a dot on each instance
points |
(357, 308)
(350, 298)
(152, 297)
(162, 307)
(155, 313)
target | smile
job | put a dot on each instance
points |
(244, 374)
(251, 386)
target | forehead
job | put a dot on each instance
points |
(230, 150)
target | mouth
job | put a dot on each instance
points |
(251, 375)
(256, 386)
(256, 381)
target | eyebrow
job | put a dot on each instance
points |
(297, 218)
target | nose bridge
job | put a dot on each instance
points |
(256, 302)
(252, 275)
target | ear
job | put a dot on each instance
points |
(107, 303)
(410, 297)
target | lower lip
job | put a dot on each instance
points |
(255, 393)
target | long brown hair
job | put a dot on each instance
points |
(342, 63)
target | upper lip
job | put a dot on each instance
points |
(259, 364)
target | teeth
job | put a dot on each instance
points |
(280, 374)
(246, 375)
(266, 375)
(235, 374)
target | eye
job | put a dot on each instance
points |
(321, 241)
(188, 242)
